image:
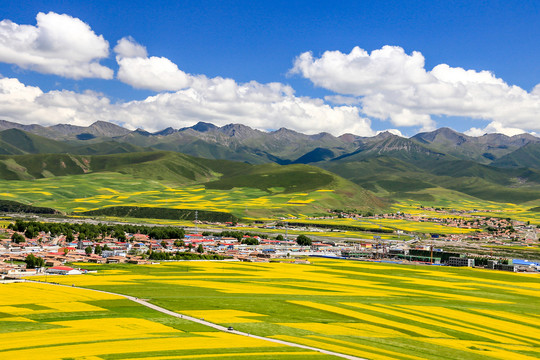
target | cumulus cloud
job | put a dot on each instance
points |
(221, 101)
(391, 84)
(30, 105)
(58, 44)
(494, 127)
(262, 106)
(217, 100)
(143, 72)
(128, 47)
(391, 131)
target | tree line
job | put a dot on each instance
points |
(179, 255)
(88, 231)
(163, 213)
(338, 227)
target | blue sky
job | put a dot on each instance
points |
(259, 41)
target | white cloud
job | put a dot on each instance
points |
(222, 101)
(143, 72)
(218, 100)
(30, 105)
(391, 131)
(262, 106)
(154, 73)
(59, 44)
(390, 84)
(128, 47)
(494, 127)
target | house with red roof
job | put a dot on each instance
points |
(63, 270)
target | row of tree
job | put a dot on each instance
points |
(88, 231)
(338, 227)
(239, 235)
(179, 255)
(301, 240)
(33, 261)
(98, 250)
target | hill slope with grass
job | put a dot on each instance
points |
(157, 165)
(26, 143)
(16, 141)
(526, 156)
(160, 180)
(396, 179)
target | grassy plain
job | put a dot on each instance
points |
(42, 321)
(371, 310)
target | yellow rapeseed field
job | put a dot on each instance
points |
(31, 293)
(370, 310)
(93, 334)
(372, 319)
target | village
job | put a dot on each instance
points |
(55, 251)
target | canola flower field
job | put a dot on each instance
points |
(370, 310)
(418, 226)
(42, 321)
(474, 207)
(393, 224)
(94, 191)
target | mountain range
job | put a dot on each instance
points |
(284, 146)
(491, 167)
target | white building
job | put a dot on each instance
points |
(63, 270)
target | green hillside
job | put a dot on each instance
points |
(209, 150)
(22, 142)
(398, 179)
(395, 147)
(159, 179)
(162, 213)
(26, 167)
(158, 165)
(527, 156)
(9, 206)
(107, 148)
(290, 178)
(19, 142)
(8, 149)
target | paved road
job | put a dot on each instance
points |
(212, 325)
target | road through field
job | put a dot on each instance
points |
(213, 325)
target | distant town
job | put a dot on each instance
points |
(25, 250)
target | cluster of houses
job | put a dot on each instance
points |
(499, 230)
(57, 251)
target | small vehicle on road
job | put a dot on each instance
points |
(230, 328)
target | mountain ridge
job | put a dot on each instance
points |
(242, 143)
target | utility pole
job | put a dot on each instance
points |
(196, 221)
